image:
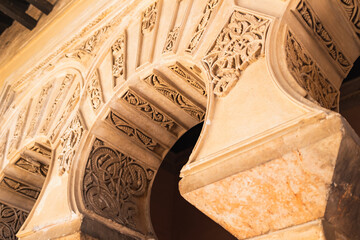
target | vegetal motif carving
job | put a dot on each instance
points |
(69, 142)
(19, 127)
(313, 21)
(194, 82)
(39, 148)
(308, 75)
(44, 94)
(352, 10)
(89, 45)
(68, 109)
(3, 147)
(32, 166)
(118, 52)
(19, 187)
(11, 220)
(148, 18)
(61, 94)
(149, 110)
(134, 133)
(95, 91)
(112, 183)
(6, 101)
(170, 93)
(201, 27)
(171, 39)
(240, 43)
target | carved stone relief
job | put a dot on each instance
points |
(134, 133)
(69, 142)
(178, 99)
(39, 148)
(201, 27)
(352, 10)
(240, 43)
(308, 75)
(20, 187)
(60, 96)
(95, 91)
(11, 220)
(150, 111)
(313, 21)
(171, 39)
(193, 81)
(70, 106)
(3, 143)
(7, 100)
(148, 18)
(40, 104)
(32, 166)
(112, 184)
(119, 56)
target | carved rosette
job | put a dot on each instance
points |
(240, 43)
(11, 220)
(352, 11)
(308, 75)
(69, 142)
(95, 91)
(113, 183)
(118, 53)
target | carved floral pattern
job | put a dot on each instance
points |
(182, 72)
(11, 220)
(112, 183)
(149, 110)
(171, 39)
(201, 27)
(118, 53)
(240, 43)
(352, 10)
(95, 91)
(313, 21)
(19, 187)
(170, 93)
(69, 142)
(308, 75)
(19, 127)
(32, 166)
(148, 18)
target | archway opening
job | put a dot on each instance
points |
(173, 218)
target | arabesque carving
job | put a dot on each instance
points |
(185, 74)
(20, 187)
(119, 55)
(69, 142)
(39, 148)
(11, 220)
(19, 129)
(240, 43)
(170, 93)
(171, 39)
(61, 94)
(6, 101)
(95, 91)
(149, 110)
(3, 147)
(43, 96)
(112, 183)
(313, 21)
(148, 18)
(352, 10)
(201, 27)
(308, 75)
(32, 166)
(133, 132)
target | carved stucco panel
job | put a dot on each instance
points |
(11, 220)
(95, 91)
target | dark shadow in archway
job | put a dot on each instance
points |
(173, 218)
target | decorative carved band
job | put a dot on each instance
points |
(39, 148)
(352, 10)
(313, 21)
(134, 133)
(119, 55)
(11, 219)
(241, 42)
(148, 18)
(69, 142)
(185, 74)
(95, 91)
(32, 166)
(113, 182)
(170, 93)
(19, 187)
(201, 27)
(308, 75)
(150, 111)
